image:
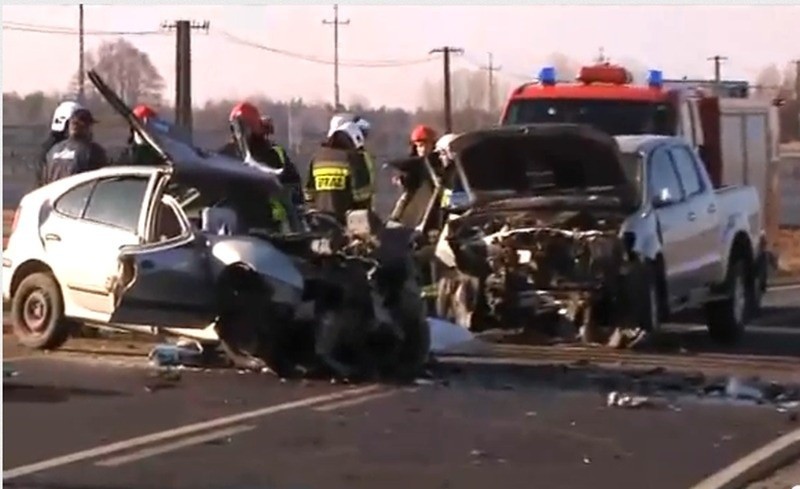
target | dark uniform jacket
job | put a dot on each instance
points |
(338, 181)
(52, 139)
(73, 156)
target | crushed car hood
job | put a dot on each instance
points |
(540, 160)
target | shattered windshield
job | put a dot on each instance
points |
(615, 117)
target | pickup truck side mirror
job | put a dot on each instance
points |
(662, 199)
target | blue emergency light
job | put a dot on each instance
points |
(655, 78)
(547, 75)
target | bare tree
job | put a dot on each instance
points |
(358, 103)
(768, 82)
(127, 70)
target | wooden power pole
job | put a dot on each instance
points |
(336, 23)
(491, 68)
(183, 68)
(448, 108)
(717, 59)
(81, 67)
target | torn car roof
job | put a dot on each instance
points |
(187, 162)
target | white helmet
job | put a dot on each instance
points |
(443, 144)
(62, 114)
(338, 119)
(353, 132)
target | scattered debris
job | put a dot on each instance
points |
(616, 399)
(587, 460)
(9, 371)
(182, 353)
(736, 389)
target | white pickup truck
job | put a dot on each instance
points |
(601, 229)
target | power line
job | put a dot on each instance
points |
(385, 63)
(12, 26)
(336, 23)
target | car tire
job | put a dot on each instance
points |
(37, 313)
(756, 287)
(648, 305)
(726, 318)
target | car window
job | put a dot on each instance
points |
(167, 224)
(663, 181)
(118, 202)
(687, 170)
(73, 202)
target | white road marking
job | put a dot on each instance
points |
(352, 402)
(169, 447)
(755, 465)
(781, 288)
(181, 431)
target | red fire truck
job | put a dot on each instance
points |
(736, 137)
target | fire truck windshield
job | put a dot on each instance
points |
(615, 117)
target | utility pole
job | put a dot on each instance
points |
(336, 23)
(797, 81)
(81, 70)
(448, 109)
(717, 59)
(491, 68)
(183, 68)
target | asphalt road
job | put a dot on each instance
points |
(77, 421)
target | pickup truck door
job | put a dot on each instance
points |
(671, 211)
(702, 218)
(167, 281)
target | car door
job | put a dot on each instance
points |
(171, 282)
(63, 234)
(666, 194)
(111, 220)
(701, 215)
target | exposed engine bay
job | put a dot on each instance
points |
(514, 268)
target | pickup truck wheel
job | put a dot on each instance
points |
(37, 313)
(756, 288)
(647, 315)
(726, 318)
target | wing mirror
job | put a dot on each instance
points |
(662, 199)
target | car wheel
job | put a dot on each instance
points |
(649, 310)
(756, 287)
(37, 313)
(726, 318)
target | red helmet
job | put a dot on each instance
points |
(143, 112)
(423, 133)
(268, 125)
(249, 115)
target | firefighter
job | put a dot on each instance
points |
(289, 176)
(137, 151)
(245, 120)
(256, 131)
(338, 177)
(411, 175)
(58, 132)
(76, 154)
(345, 117)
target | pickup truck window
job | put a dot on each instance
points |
(663, 180)
(118, 202)
(686, 165)
(73, 202)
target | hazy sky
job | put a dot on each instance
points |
(675, 39)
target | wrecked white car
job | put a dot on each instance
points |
(561, 224)
(190, 248)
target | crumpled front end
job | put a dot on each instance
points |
(517, 271)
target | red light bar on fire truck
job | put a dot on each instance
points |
(605, 73)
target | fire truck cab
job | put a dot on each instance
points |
(737, 138)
